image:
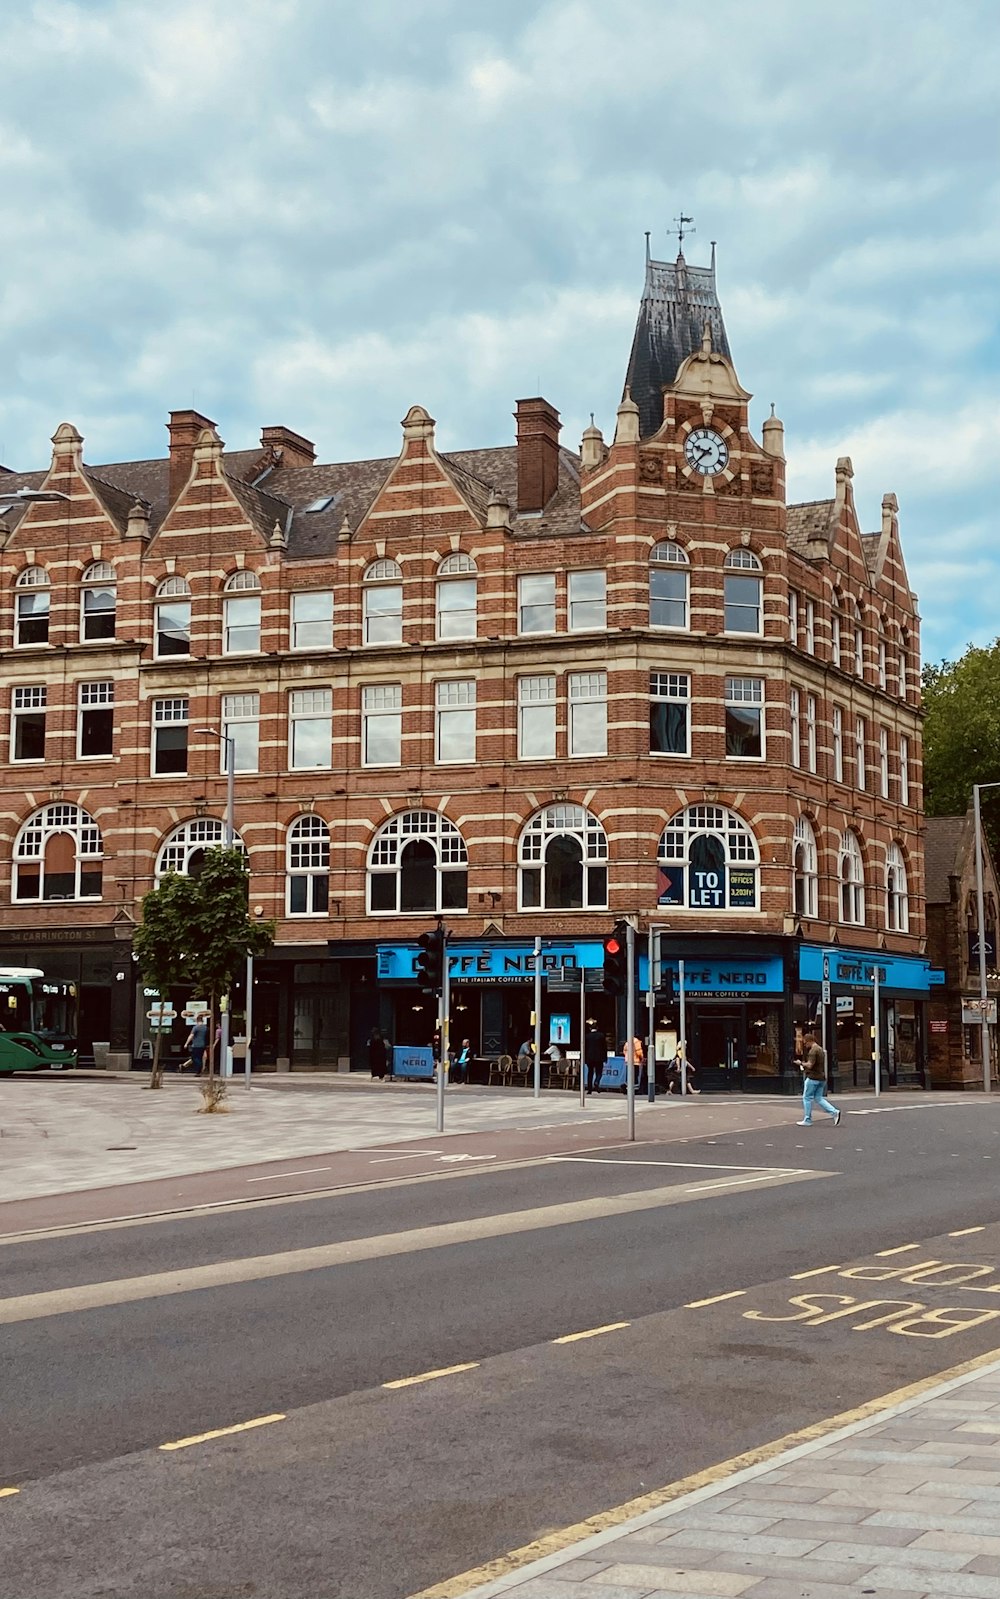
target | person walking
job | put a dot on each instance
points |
(814, 1083)
(638, 1054)
(197, 1043)
(595, 1054)
(378, 1054)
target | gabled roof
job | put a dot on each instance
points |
(677, 301)
(812, 520)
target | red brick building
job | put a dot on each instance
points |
(955, 1028)
(531, 689)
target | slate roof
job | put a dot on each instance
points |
(677, 300)
(811, 520)
(945, 844)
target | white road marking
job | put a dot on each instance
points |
(279, 1176)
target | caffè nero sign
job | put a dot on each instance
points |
(490, 963)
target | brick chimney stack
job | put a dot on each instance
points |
(537, 453)
(185, 428)
(295, 450)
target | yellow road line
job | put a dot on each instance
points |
(900, 1249)
(5, 1493)
(592, 1332)
(607, 1520)
(817, 1271)
(699, 1304)
(428, 1376)
(223, 1432)
(965, 1231)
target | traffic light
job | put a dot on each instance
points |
(430, 961)
(616, 960)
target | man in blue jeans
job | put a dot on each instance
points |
(814, 1082)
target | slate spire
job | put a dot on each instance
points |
(677, 301)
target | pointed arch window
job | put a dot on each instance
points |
(563, 861)
(852, 881)
(98, 599)
(805, 869)
(382, 603)
(708, 861)
(308, 866)
(456, 597)
(669, 586)
(58, 855)
(743, 585)
(183, 849)
(897, 899)
(241, 621)
(418, 862)
(31, 606)
(173, 617)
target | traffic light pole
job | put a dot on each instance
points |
(630, 1029)
(444, 1028)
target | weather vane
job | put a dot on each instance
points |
(681, 235)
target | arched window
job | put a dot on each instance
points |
(173, 617)
(852, 881)
(563, 861)
(241, 625)
(382, 603)
(897, 899)
(805, 869)
(183, 850)
(456, 597)
(31, 609)
(859, 640)
(57, 855)
(668, 585)
(743, 592)
(97, 602)
(418, 862)
(308, 867)
(708, 861)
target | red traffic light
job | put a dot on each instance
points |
(612, 946)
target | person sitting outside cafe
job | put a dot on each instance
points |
(460, 1065)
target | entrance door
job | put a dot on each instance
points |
(314, 1037)
(719, 1059)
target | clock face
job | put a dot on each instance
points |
(706, 451)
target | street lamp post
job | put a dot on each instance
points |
(984, 1014)
(229, 744)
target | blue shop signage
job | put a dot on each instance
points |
(855, 968)
(723, 979)
(489, 963)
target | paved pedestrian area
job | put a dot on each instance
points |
(906, 1506)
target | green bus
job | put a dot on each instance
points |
(37, 1020)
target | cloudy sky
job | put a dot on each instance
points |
(318, 213)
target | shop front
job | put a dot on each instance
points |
(734, 1014)
(836, 997)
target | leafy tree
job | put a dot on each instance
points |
(962, 735)
(198, 930)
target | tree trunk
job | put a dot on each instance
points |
(156, 1075)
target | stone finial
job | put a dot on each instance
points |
(890, 510)
(418, 424)
(67, 442)
(345, 531)
(137, 525)
(845, 472)
(706, 338)
(209, 448)
(627, 427)
(774, 436)
(278, 541)
(591, 447)
(498, 510)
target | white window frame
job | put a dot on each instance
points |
(902, 667)
(904, 769)
(742, 565)
(587, 696)
(96, 696)
(189, 839)
(241, 711)
(793, 616)
(552, 822)
(544, 607)
(811, 732)
(385, 858)
(739, 848)
(859, 641)
(806, 874)
(98, 578)
(795, 725)
(672, 688)
(741, 692)
(455, 721)
(382, 603)
(310, 708)
(382, 718)
(536, 715)
(587, 612)
(811, 626)
(897, 896)
(883, 762)
(851, 880)
(835, 630)
(321, 636)
(241, 598)
(456, 598)
(883, 674)
(31, 581)
(860, 753)
(307, 858)
(61, 816)
(173, 593)
(670, 557)
(27, 700)
(837, 734)
(170, 710)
